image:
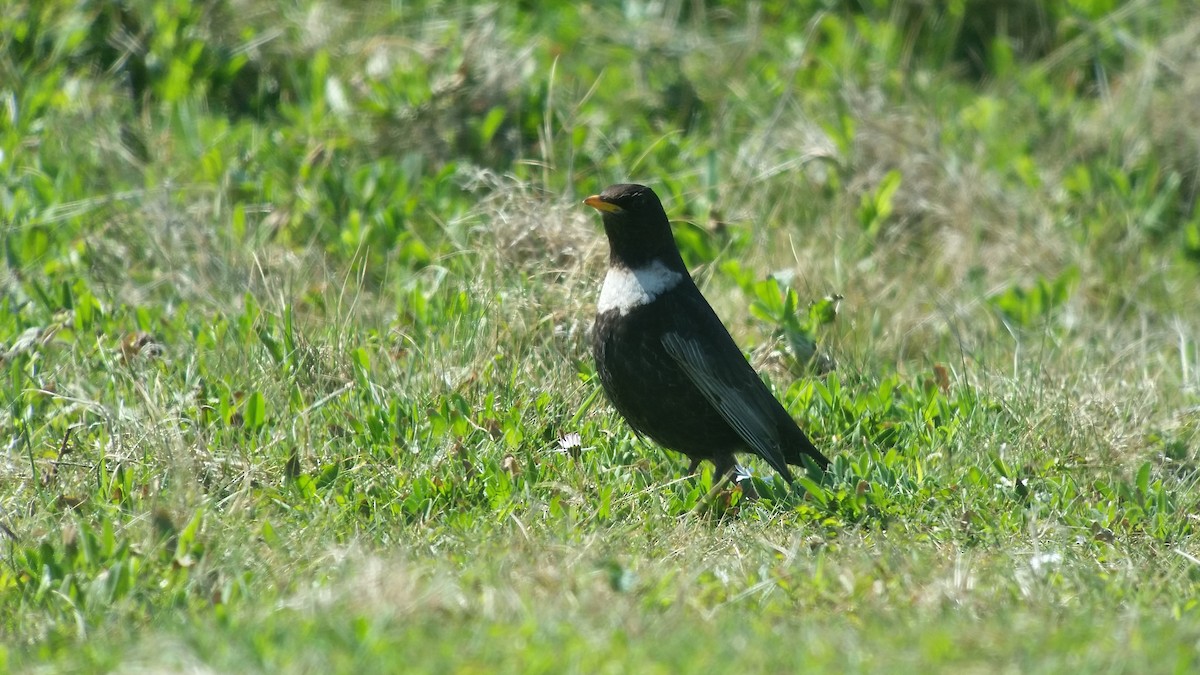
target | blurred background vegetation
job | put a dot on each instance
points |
(372, 128)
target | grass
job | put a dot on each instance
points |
(295, 314)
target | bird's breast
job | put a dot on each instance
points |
(626, 289)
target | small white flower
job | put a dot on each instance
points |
(570, 443)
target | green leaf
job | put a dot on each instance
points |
(254, 415)
(307, 486)
(490, 124)
(817, 492)
(1143, 479)
(876, 207)
(267, 531)
(824, 311)
(266, 335)
(362, 365)
(1025, 307)
(1000, 467)
(187, 536)
(1191, 239)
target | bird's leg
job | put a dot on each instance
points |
(722, 477)
(723, 467)
(726, 466)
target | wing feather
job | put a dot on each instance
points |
(736, 393)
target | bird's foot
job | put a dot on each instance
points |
(741, 478)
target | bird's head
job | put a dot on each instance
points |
(637, 226)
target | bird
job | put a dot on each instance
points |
(664, 359)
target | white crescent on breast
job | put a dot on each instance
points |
(625, 289)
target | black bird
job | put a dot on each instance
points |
(666, 361)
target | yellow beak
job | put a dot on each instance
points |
(600, 205)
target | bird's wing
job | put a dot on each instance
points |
(733, 388)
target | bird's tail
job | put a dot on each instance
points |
(798, 446)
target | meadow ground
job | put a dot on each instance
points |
(294, 335)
